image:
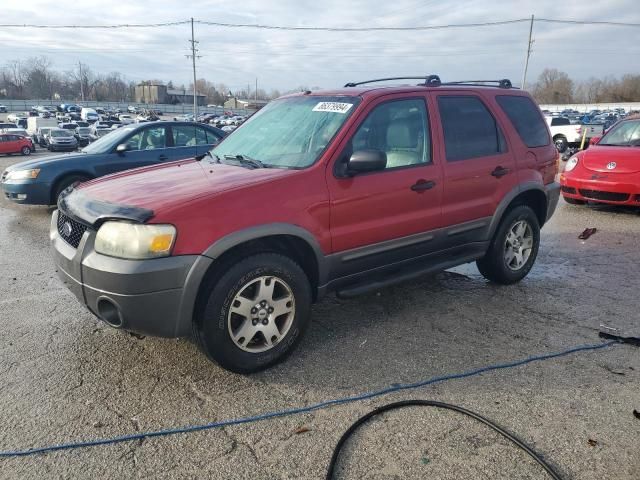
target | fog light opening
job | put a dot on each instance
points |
(109, 312)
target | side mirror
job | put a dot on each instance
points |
(363, 161)
(594, 140)
(123, 147)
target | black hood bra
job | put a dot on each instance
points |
(92, 212)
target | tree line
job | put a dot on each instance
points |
(35, 78)
(556, 87)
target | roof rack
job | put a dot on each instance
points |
(434, 81)
(504, 83)
(429, 80)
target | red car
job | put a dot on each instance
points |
(344, 191)
(11, 143)
(609, 171)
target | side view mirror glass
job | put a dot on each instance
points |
(363, 161)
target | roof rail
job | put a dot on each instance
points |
(504, 83)
(429, 80)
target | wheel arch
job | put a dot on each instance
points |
(531, 194)
(59, 178)
(293, 241)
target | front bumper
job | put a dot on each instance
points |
(62, 148)
(28, 193)
(151, 297)
(552, 191)
(600, 190)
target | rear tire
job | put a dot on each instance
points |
(514, 247)
(254, 314)
(561, 144)
(25, 151)
(573, 201)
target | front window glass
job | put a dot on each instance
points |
(147, 139)
(399, 129)
(291, 132)
(625, 134)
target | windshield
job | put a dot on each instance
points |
(291, 132)
(626, 134)
(108, 142)
(44, 131)
(84, 130)
(61, 133)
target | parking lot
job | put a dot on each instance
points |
(66, 376)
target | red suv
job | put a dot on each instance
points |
(347, 191)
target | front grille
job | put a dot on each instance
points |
(607, 196)
(70, 230)
(570, 190)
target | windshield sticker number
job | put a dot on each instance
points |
(335, 107)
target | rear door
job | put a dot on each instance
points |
(146, 146)
(479, 167)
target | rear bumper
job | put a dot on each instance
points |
(600, 191)
(552, 191)
(28, 193)
(151, 297)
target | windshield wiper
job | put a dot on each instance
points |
(246, 161)
(215, 157)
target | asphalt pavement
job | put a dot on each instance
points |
(65, 376)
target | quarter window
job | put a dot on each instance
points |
(526, 119)
(470, 131)
(400, 129)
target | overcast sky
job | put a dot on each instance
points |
(287, 59)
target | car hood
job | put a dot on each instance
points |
(167, 185)
(44, 162)
(626, 159)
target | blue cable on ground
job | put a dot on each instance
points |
(295, 411)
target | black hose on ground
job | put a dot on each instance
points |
(431, 403)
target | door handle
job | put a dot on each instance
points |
(163, 157)
(500, 172)
(422, 185)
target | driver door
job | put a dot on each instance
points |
(147, 146)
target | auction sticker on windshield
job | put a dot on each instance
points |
(336, 107)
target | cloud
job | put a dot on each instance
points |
(285, 59)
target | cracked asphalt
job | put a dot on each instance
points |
(65, 376)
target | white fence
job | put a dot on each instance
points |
(587, 107)
(26, 105)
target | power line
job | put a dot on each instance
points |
(321, 28)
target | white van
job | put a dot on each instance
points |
(89, 115)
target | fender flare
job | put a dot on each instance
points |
(506, 201)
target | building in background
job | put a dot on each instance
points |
(236, 103)
(155, 93)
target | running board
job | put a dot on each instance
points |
(407, 273)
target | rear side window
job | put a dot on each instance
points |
(470, 131)
(526, 118)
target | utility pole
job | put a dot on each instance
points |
(256, 94)
(193, 57)
(81, 81)
(526, 61)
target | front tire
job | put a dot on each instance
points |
(561, 144)
(514, 247)
(254, 314)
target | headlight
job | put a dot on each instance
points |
(571, 164)
(23, 174)
(135, 241)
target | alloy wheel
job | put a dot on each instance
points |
(518, 245)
